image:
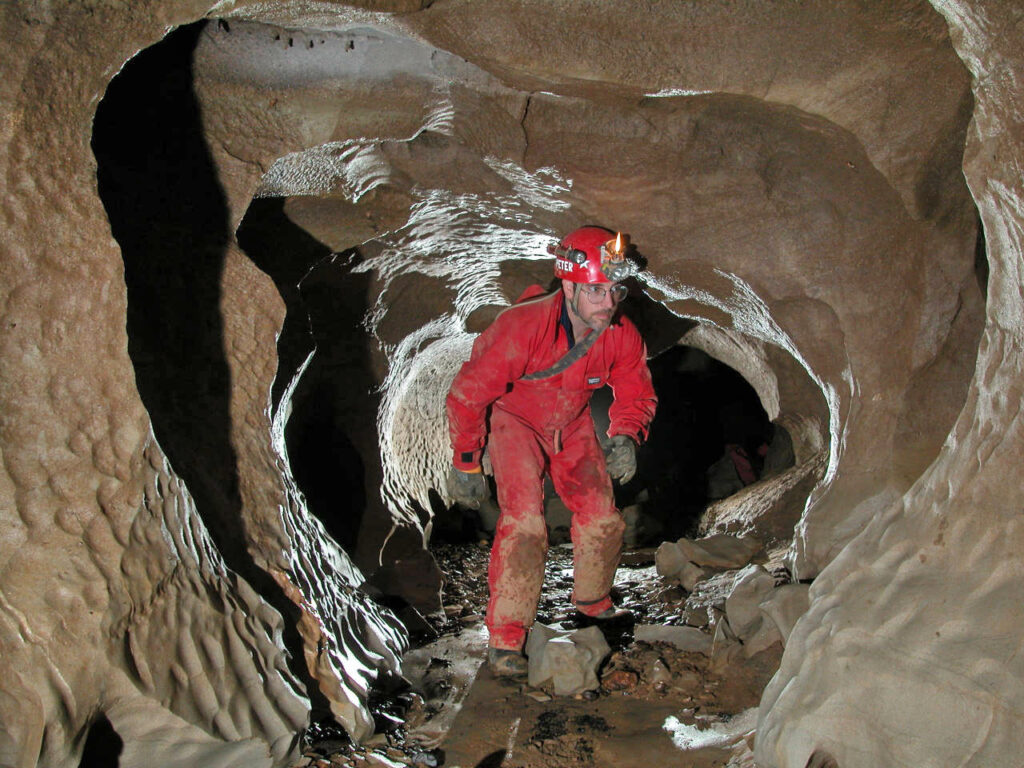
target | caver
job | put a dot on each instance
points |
(525, 393)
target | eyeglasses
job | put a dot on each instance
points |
(596, 293)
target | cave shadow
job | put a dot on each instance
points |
(332, 424)
(706, 411)
(703, 407)
(103, 745)
(168, 213)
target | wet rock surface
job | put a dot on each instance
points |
(651, 699)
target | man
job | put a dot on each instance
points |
(526, 391)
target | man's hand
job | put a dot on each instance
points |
(620, 456)
(468, 488)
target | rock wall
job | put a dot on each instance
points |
(815, 219)
(786, 204)
(122, 598)
(910, 653)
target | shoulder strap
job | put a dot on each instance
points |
(579, 350)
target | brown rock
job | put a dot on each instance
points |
(620, 680)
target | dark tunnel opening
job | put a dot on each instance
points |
(103, 745)
(710, 438)
(330, 435)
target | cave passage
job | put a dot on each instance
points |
(103, 745)
(709, 438)
(168, 213)
(335, 396)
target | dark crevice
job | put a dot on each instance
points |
(287, 253)
(981, 260)
(331, 434)
(103, 745)
(169, 215)
(821, 759)
(522, 126)
(706, 412)
(526, 112)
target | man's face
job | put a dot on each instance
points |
(595, 303)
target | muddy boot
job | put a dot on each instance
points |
(505, 663)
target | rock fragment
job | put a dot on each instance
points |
(720, 550)
(569, 660)
(620, 680)
(684, 638)
(660, 674)
(785, 605)
(668, 559)
(753, 586)
(689, 561)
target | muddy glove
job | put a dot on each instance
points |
(468, 488)
(620, 457)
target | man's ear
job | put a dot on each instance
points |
(567, 288)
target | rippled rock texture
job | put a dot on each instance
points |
(288, 239)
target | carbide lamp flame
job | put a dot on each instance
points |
(613, 258)
(616, 249)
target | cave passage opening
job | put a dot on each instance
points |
(330, 434)
(167, 211)
(710, 438)
(103, 745)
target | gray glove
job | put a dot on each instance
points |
(620, 457)
(468, 488)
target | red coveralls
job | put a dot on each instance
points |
(545, 425)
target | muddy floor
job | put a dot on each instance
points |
(656, 705)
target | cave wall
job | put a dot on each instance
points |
(750, 186)
(910, 653)
(117, 602)
(808, 197)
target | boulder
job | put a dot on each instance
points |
(669, 560)
(766, 635)
(784, 605)
(720, 550)
(753, 585)
(683, 638)
(687, 561)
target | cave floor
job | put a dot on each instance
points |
(657, 705)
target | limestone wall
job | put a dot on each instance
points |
(116, 602)
(910, 653)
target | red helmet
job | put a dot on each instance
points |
(592, 255)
